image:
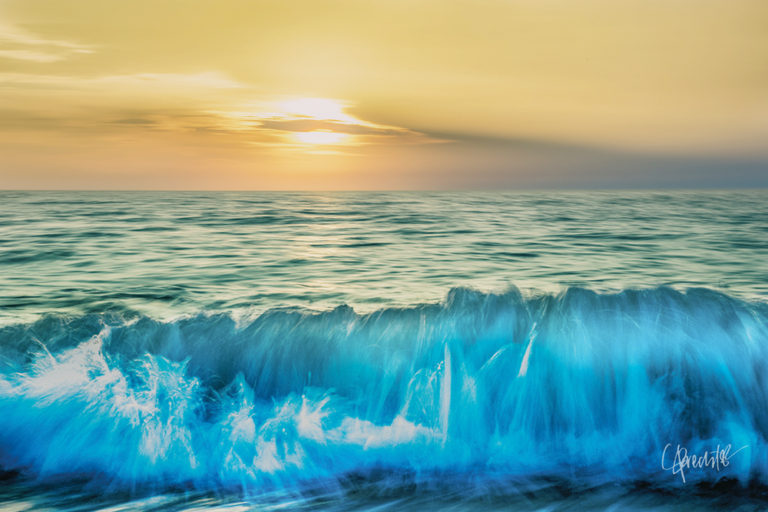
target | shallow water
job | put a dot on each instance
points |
(177, 351)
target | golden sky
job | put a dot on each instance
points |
(355, 94)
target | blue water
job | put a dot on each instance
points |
(367, 350)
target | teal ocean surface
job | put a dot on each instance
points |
(166, 351)
(166, 254)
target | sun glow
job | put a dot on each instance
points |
(292, 124)
(321, 138)
(316, 108)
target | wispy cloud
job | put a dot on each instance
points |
(203, 102)
(297, 122)
(159, 82)
(29, 55)
(19, 44)
(157, 101)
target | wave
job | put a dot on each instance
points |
(578, 386)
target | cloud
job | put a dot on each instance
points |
(172, 81)
(158, 101)
(159, 82)
(310, 125)
(29, 55)
(136, 121)
(291, 123)
(19, 44)
(188, 103)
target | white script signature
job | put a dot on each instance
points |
(717, 459)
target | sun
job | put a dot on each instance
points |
(321, 137)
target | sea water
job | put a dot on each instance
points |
(165, 351)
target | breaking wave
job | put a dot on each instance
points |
(579, 386)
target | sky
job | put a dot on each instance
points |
(395, 94)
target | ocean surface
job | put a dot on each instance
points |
(383, 351)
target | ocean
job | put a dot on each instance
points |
(387, 351)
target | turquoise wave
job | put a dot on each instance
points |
(579, 386)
